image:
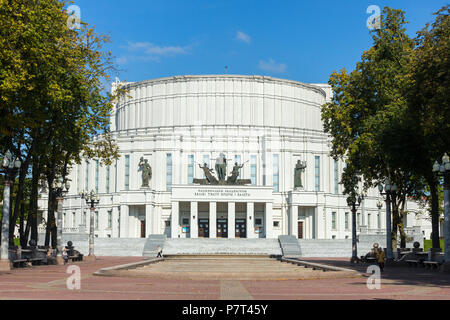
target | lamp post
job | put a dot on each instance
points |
(391, 191)
(92, 199)
(83, 194)
(58, 188)
(9, 167)
(354, 202)
(379, 206)
(443, 170)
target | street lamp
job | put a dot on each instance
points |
(83, 195)
(443, 170)
(92, 199)
(391, 191)
(9, 167)
(58, 186)
(354, 202)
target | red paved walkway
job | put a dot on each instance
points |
(49, 282)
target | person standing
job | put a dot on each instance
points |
(381, 256)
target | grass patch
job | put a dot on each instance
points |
(427, 244)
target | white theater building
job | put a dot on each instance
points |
(177, 123)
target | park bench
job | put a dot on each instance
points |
(431, 264)
(415, 263)
(368, 259)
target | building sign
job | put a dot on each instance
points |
(222, 193)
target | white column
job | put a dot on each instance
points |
(231, 220)
(124, 217)
(148, 220)
(115, 222)
(319, 223)
(194, 219)
(175, 221)
(269, 220)
(213, 219)
(293, 220)
(251, 220)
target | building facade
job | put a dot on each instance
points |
(265, 126)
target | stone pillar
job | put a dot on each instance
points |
(148, 219)
(251, 220)
(124, 214)
(269, 220)
(213, 219)
(319, 223)
(115, 223)
(194, 219)
(293, 211)
(175, 220)
(231, 220)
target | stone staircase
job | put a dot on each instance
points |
(207, 246)
(289, 246)
(152, 243)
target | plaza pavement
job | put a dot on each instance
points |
(49, 282)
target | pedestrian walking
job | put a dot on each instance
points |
(159, 252)
(65, 256)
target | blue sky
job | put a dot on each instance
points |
(298, 40)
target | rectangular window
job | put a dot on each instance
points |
(346, 221)
(317, 172)
(276, 176)
(127, 172)
(97, 167)
(169, 172)
(79, 178)
(333, 220)
(96, 220)
(253, 170)
(109, 219)
(86, 179)
(206, 160)
(336, 177)
(190, 169)
(108, 169)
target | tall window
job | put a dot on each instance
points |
(86, 179)
(190, 169)
(79, 178)
(169, 172)
(333, 220)
(276, 176)
(108, 169)
(96, 175)
(127, 172)
(253, 169)
(336, 177)
(109, 219)
(346, 221)
(317, 172)
(206, 160)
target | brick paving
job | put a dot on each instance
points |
(49, 282)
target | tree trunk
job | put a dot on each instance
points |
(434, 214)
(34, 199)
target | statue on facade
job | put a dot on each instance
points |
(234, 174)
(146, 172)
(299, 168)
(221, 167)
(208, 174)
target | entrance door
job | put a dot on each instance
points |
(241, 228)
(143, 229)
(222, 228)
(300, 229)
(203, 228)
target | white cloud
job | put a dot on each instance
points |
(121, 60)
(272, 66)
(243, 37)
(148, 51)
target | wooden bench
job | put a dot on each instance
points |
(415, 263)
(431, 264)
(19, 263)
(36, 261)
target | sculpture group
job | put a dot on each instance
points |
(221, 169)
